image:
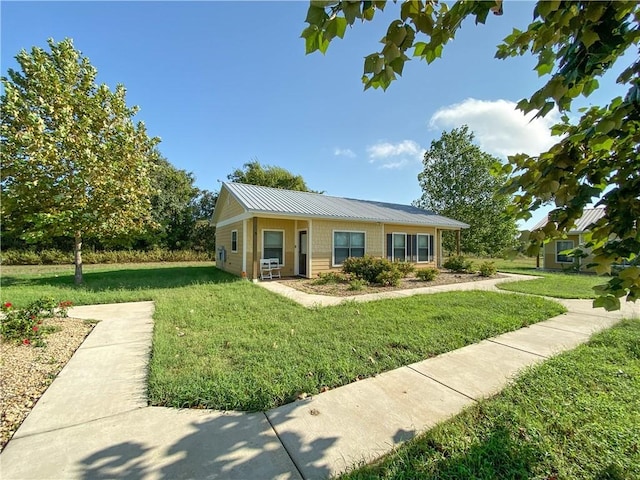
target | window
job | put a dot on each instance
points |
(273, 245)
(234, 240)
(561, 246)
(399, 246)
(347, 244)
(425, 248)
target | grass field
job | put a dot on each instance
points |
(224, 343)
(575, 416)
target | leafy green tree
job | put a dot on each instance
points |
(253, 173)
(596, 157)
(457, 182)
(73, 162)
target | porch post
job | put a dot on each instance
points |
(458, 241)
(254, 274)
(309, 250)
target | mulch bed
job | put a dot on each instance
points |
(342, 289)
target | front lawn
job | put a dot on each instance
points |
(558, 285)
(575, 416)
(223, 343)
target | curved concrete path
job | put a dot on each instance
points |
(93, 421)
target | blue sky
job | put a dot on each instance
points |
(222, 83)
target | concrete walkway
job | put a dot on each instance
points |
(93, 421)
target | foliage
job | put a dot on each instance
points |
(357, 284)
(555, 284)
(24, 325)
(269, 176)
(57, 257)
(596, 157)
(488, 269)
(389, 278)
(326, 278)
(457, 181)
(574, 416)
(405, 268)
(458, 263)
(73, 162)
(427, 274)
(367, 267)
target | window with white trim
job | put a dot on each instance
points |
(563, 246)
(399, 247)
(425, 247)
(273, 245)
(234, 240)
(347, 244)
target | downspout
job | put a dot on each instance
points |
(244, 247)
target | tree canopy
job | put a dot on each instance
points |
(253, 173)
(457, 182)
(596, 157)
(74, 164)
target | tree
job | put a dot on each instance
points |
(597, 157)
(73, 162)
(268, 176)
(457, 182)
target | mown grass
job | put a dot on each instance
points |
(223, 343)
(575, 416)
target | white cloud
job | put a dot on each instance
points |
(499, 128)
(344, 152)
(395, 155)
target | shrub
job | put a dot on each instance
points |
(458, 263)
(25, 325)
(389, 278)
(325, 278)
(357, 284)
(58, 257)
(488, 269)
(367, 268)
(405, 268)
(427, 274)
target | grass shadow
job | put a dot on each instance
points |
(127, 279)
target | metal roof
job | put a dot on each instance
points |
(266, 200)
(589, 216)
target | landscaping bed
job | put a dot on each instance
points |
(310, 285)
(26, 370)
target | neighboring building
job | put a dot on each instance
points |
(553, 257)
(311, 233)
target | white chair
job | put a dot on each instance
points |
(274, 265)
(265, 269)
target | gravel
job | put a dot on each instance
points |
(26, 371)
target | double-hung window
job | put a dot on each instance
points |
(347, 244)
(234, 240)
(425, 248)
(399, 246)
(562, 246)
(273, 245)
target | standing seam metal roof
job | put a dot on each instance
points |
(589, 216)
(260, 199)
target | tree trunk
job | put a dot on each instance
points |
(77, 250)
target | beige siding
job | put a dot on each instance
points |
(288, 226)
(389, 228)
(230, 206)
(233, 263)
(550, 254)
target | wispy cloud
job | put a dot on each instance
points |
(344, 152)
(499, 128)
(395, 155)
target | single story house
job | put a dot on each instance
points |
(554, 255)
(311, 233)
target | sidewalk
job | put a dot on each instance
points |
(93, 421)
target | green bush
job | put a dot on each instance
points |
(459, 264)
(405, 268)
(367, 268)
(389, 278)
(488, 269)
(357, 284)
(325, 278)
(427, 274)
(58, 257)
(25, 325)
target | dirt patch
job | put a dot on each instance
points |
(342, 289)
(26, 371)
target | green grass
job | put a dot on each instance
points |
(223, 343)
(575, 416)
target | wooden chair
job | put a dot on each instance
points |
(269, 268)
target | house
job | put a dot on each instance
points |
(554, 255)
(311, 233)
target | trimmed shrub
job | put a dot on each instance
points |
(389, 278)
(357, 284)
(405, 268)
(325, 278)
(367, 268)
(58, 257)
(458, 264)
(427, 274)
(488, 269)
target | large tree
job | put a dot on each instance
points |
(457, 182)
(253, 173)
(597, 156)
(74, 163)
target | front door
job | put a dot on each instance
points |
(302, 260)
